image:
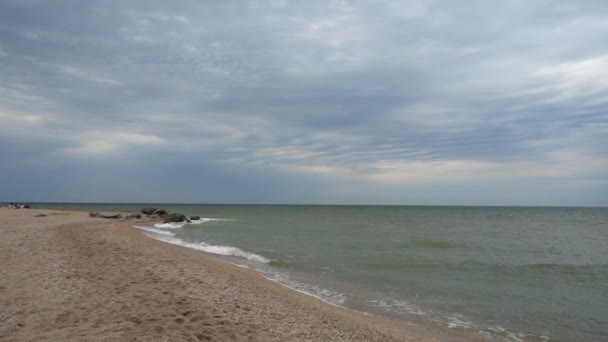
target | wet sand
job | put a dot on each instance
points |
(70, 277)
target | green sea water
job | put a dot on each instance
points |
(504, 273)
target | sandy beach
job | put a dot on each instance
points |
(66, 276)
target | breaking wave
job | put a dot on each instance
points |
(170, 225)
(177, 225)
(155, 231)
(213, 249)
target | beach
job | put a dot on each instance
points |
(66, 276)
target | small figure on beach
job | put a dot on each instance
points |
(17, 205)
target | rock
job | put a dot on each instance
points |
(195, 218)
(114, 217)
(148, 211)
(40, 215)
(134, 216)
(93, 214)
(161, 213)
(175, 217)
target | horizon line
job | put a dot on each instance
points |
(322, 204)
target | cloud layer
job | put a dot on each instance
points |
(413, 102)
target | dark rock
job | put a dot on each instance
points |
(93, 214)
(148, 211)
(134, 216)
(115, 217)
(40, 215)
(194, 218)
(175, 217)
(161, 213)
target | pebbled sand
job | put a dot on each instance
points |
(70, 277)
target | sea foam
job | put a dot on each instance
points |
(155, 231)
(160, 233)
(396, 306)
(178, 225)
(213, 249)
(170, 225)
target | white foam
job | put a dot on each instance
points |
(516, 336)
(397, 306)
(155, 231)
(326, 295)
(203, 220)
(457, 321)
(178, 225)
(220, 250)
(170, 225)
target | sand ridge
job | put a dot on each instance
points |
(70, 277)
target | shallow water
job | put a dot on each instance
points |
(512, 273)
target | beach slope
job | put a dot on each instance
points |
(66, 276)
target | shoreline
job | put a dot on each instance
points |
(86, 265)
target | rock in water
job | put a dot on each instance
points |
(161, 213)
(134, 216)
(175, 217)
(148, 211)
(195, 218)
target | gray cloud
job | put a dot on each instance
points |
(325, 100)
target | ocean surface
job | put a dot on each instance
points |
(504, 273)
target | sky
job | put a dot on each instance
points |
(342, 102)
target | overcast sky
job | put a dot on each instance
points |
(362, 102)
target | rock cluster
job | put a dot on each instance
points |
(175, 217)
(166, 216)
(149, 213)
(161, 213)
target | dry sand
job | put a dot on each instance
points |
(70, 277)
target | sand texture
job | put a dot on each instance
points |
(70, 277)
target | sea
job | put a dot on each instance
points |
(500, 273)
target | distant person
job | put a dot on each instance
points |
(26, 206)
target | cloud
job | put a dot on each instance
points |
(374, 96)
(95, 143)
(86, 75)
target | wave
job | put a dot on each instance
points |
(155, 231)
(432, 244)
(206, 219)
(396, 306)
(178, 225)
(169, 237)
(500, 331)
(260, 263)
(458, 321)
(170, 225)
(478, 266)
(215, 249)
(454, 321)
(324, 294)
